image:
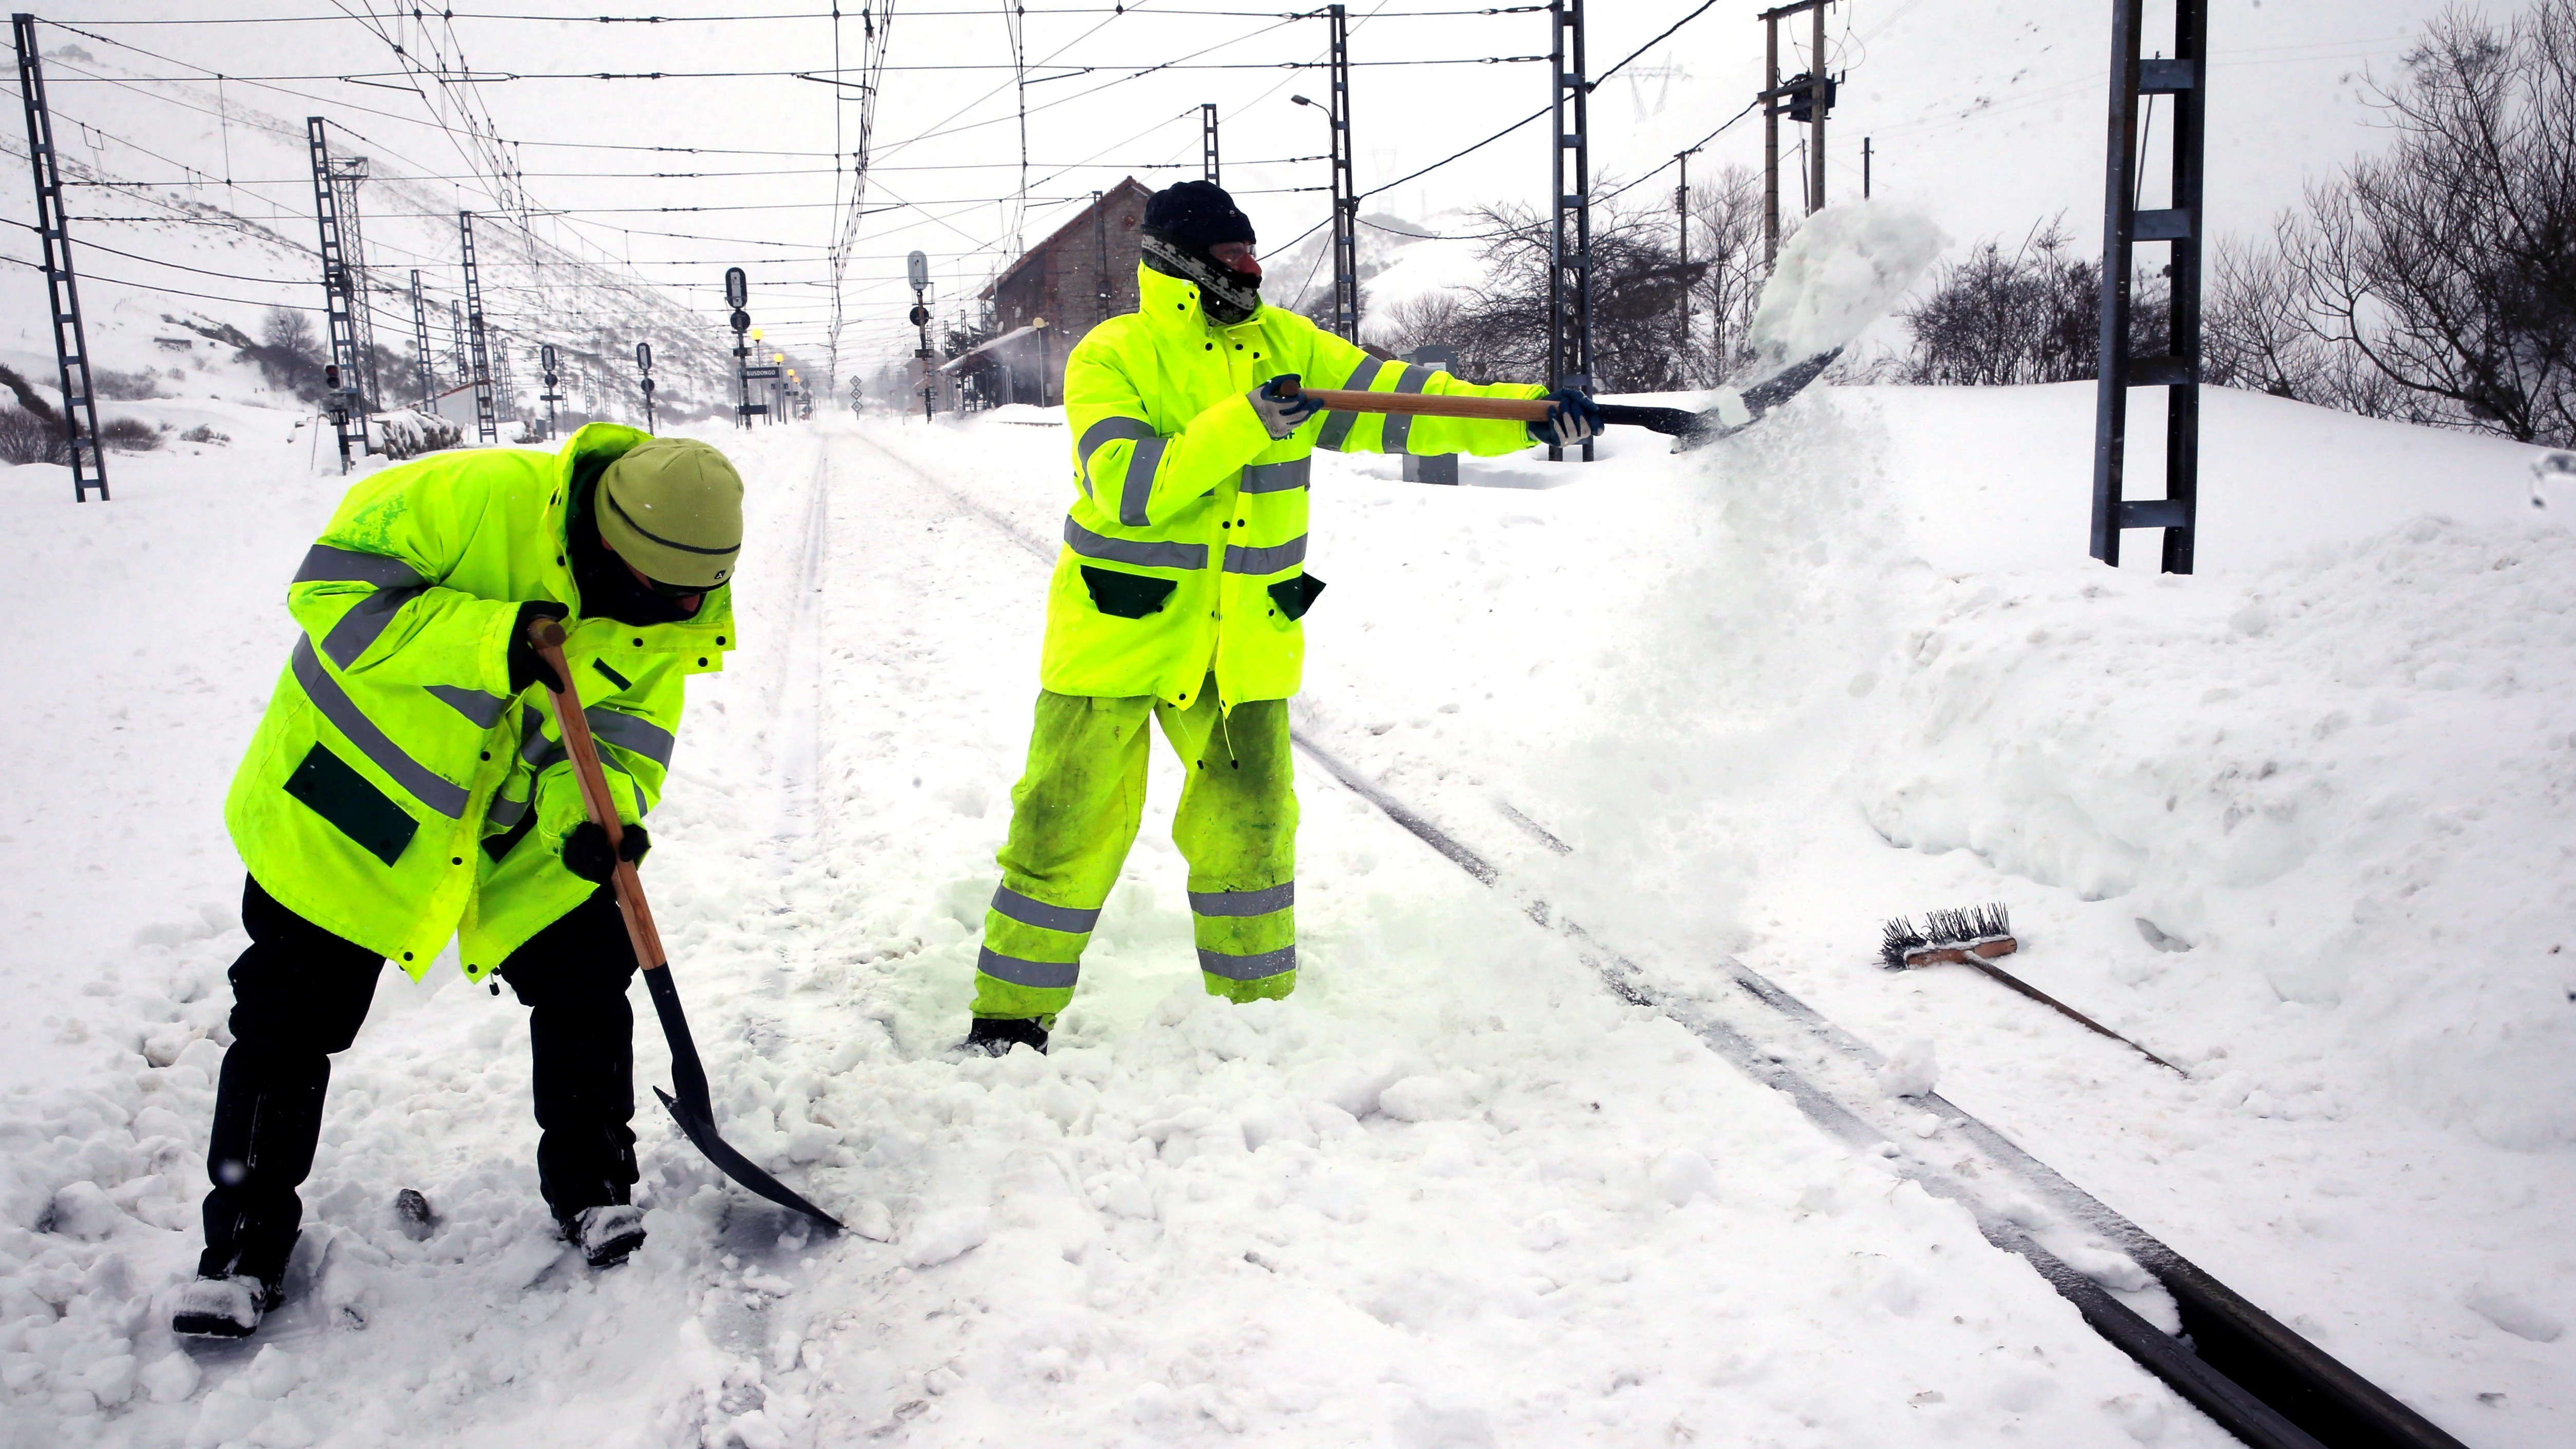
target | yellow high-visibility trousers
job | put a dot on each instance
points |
(1074, 816)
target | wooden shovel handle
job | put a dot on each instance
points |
(547, 637)
(1427, 405)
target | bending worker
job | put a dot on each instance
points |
(408, 785)
(1178, 596)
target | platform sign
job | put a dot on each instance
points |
(760, 372)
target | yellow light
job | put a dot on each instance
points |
(778, 357)
(755, 334)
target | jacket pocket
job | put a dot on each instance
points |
(1295, 596)
(1124, 595)
(331, 789)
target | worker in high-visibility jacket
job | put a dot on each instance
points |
(408, 786)
(1178, 595)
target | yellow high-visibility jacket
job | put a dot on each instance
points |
(397, 793)
(1186, 547)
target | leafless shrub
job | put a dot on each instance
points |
(2030, 316)
(205, 433)
(126, 386)
(132, 435)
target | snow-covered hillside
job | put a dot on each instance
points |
(1847, 666)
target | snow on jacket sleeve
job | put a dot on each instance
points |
(368, 592)
(1131, 472)
(1334, 363)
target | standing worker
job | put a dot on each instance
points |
(1177, 595)
(406, 786)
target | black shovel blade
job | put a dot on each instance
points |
(695, 1113)
(1690, 430)
(702, 1131)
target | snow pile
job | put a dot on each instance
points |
(2338, 773)
(1843, 269)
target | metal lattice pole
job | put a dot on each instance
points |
(2124, 226)
(1207, 141)
(487, 422)
(420, 345)
(366, 390)
(1346, 201)
(342, 375)
(71, 338)
(1569, 275)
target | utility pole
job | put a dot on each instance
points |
(71, 339)
(1100, 297)
(1681, 231)
(1207, 141)
(1346, 201)
(365, 388)
(420, 345)
(1569, 273)
(340, 375)
(1804, 99)
(2179, 224)
(1864, 168)
(487, 421)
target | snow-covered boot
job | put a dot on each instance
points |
(605, 1235)
(994, 1036)
(222, 1307)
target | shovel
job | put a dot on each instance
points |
(1736, 409)
(691, 1108)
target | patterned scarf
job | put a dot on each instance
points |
(1228, 296)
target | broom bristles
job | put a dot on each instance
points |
(1944, 928)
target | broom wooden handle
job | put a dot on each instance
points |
(1429, 405)
(547, 637)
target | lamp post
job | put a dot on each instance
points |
(1346, 210)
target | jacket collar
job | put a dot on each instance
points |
(1170, 305)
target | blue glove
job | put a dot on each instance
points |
(1279, 410)
(1571, 418)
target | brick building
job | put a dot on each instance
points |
(1045, 301)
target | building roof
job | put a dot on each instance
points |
(1130, 186)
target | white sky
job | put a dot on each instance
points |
(1987, 112)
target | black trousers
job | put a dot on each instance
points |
(300, 995)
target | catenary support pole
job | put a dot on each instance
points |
(341, 376)
(62, 296)
(420, 346)
(1681, 247)
(1207, 142)
(1864, 168)
(366, 391)
(1346, 201)
(487, 421)
(1569, 273)
(2125, 226)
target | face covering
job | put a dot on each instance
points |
(1228, 296)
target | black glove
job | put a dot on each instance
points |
(1571, 418)
(585, 851)
(527, 666)
(1281, 412)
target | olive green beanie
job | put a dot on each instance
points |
(672, 507)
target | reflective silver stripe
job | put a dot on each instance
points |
(1241, 560)
(477, 705)
(1042, 974)
(1107, 430)
(1277, 477)
(441, 795)
(1247, 968)
(1245, 903)
(637, 736)
(1141, 466)
(1029, 911)
(506, 813)
(1134, 551)
(365, 623)
(324, 564)
(1399, 426)
(1337, 425)
(532, 736)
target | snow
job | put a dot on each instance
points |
(1844, 268)
(1451, 1192)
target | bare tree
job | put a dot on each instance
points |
(1637, 290)
(2033, 316)
(2447, 265)
(1727, 237)
(1429, 319)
